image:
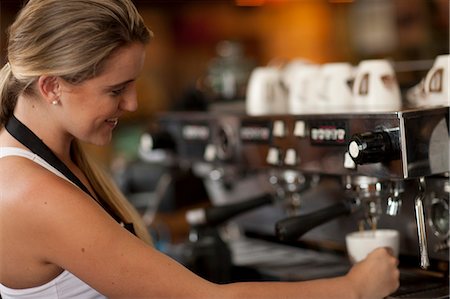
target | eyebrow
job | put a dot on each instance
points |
(120, 84)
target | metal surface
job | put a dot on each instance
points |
(420, 220)
(314, 143)
(233, 151)
(320, 142)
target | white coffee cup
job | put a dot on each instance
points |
(265, 93)
(433, 89)
(436, 84)
(361, 243)
(300, 87)
(375, 87)
(333, 92)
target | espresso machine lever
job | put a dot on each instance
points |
(216, 215)
(206, 253)
(292, 228)
(420, 219)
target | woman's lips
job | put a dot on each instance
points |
(112, 121)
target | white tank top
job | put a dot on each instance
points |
(65, 285)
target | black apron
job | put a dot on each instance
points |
(25, 136)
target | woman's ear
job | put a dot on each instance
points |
(49, 89)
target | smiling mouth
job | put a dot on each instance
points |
(112, 121)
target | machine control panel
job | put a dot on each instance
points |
(373, 147)
(395, 144)
(328, 132)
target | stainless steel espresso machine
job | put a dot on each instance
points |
(288, 188)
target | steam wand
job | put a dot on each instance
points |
(420, 219)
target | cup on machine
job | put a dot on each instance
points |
(333, 91)
(436, 84)
(433, 89)
(361, 243)
(300, 87)
(375, 87)
(265, 93)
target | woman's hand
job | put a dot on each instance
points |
(377, 276)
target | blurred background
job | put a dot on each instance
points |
(198, 41)
(204, 50)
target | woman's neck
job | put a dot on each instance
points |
(34, 115)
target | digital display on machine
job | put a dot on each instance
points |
(255, 131)
(195, 132)
(328, 132)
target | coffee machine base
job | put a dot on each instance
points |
(302, 261)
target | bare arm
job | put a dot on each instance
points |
(73, 232)
(374, 278)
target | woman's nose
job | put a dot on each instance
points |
(129, 102)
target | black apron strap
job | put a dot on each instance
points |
(25, 136)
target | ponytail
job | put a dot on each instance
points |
(105, 187)
(8, 97)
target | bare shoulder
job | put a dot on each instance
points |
(45, 202)
(40, 203)
(70, 230)
(27, 199)
(50, 218)
(24, 184)
(28, 187)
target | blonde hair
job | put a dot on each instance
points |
(72, 40)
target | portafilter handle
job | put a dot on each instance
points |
(216, 215)
(292, 228)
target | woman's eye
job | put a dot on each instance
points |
(117, 92)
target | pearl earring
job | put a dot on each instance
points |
(55, 102)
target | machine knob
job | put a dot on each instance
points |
(157, 140)
(373, 147)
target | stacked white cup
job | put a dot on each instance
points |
(434, 89)
(299, 82)
(265, 92)
(333, 92)
(303, 87)
(375, 87)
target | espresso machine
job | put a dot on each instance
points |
(294, 185)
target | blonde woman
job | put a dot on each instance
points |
(66, 232)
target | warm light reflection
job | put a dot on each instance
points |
(249, 2)
(340, 1)
(260, 2)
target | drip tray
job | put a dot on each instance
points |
(415, 285)
(288, 263)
